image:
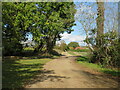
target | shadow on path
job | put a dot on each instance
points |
(17, 75)
(99, 79)
(46, 75)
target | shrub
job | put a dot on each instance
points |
(13, 48)
(107, 54)
(83, 58)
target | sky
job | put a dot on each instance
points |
(78, 35)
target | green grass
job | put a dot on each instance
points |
(78, 53)
(17, 73)
(28, 48)
(83, 60)
(80, 50)
(83, 53)
(72, 53)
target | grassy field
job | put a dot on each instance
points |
(84, 60)
(17, 73)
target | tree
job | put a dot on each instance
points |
(18, 19)
(99, 31)
(63, 46)
(45, 21)
(58, 17)
(73, 44)
(100, 22)
(102, 43)
(90, 17)
(88, 20)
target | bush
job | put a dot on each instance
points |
(12, 48)
(83, 58)
(107, 54)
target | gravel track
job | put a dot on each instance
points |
(64, 72)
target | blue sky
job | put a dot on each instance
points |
(78, 35)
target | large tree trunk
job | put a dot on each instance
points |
(39, 47)
(100, 22)
(100, 30)
(50, 43)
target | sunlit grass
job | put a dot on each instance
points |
(83, 60)
(29, 48)
(18, 72)
(71, 53)
(32, 61)
(80, 50)
(94, 66)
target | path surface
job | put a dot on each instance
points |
(66, 73)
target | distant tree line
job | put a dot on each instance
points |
(65, 47)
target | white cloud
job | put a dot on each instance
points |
(73, 38)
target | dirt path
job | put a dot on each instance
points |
(66, 73)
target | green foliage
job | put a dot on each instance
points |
(83, 58)
(107, 53)
(12, 48)
(106, 48)
(58, 18)
(62, 46)
(45, 21)
(18, 19)
(73, 44)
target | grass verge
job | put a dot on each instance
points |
(17, 73)
(84, 60)
(80, 50)
(71, 53)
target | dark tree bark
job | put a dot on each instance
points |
(100, 22)
(100, 31)
(39, 47)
